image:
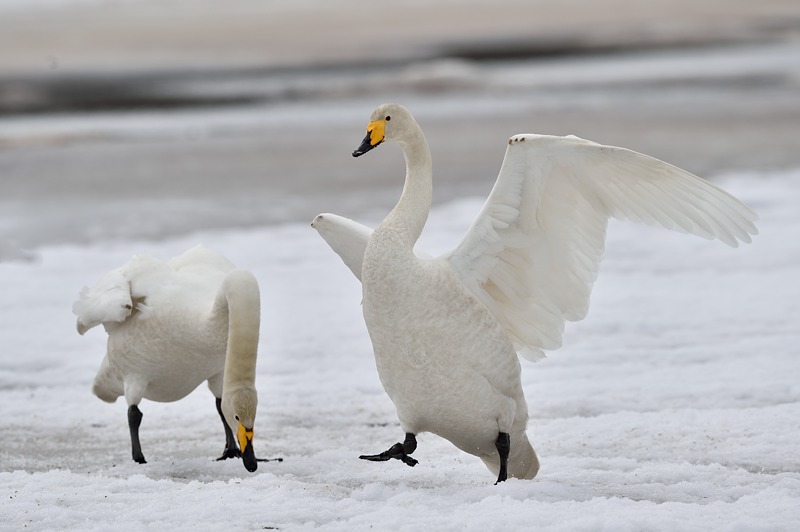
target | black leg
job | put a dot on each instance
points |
(410, 445)
(503, 445)
(134, 420)
(231, 449)
(398, 450)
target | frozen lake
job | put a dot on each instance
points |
(672, 406)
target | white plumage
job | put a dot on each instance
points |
(445, 331)
(172, 326)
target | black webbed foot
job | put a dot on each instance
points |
(230, 453)
(236, 453)
(400, 451)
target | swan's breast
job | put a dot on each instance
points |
(441, 356)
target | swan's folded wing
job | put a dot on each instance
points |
(121, 293)
(533, 252)
(109, 300)
(346, 237)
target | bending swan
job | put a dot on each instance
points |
(172, 326)
(446, 331)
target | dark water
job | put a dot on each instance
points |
(176, 154)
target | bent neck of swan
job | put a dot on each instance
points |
(239, 301)
(408, 217)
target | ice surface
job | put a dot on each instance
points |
(673, 406)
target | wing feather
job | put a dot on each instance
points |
(122, 292)
(346, 237)
(109, 300)
(533, 253)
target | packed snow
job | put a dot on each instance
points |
(673, 406)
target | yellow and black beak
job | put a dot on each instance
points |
(375, 135)
(245, 437)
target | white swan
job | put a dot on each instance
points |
(172, 326)
(446, 331)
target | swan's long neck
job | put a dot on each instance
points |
(239, 300)
(408, 217)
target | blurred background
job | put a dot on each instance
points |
(144, 119)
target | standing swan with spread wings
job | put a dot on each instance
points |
(446, 331)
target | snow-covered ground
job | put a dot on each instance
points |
(673, 406)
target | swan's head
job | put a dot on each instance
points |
(388, 122)
(239, 409)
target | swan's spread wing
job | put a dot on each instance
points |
(533, 252)
(346, 237)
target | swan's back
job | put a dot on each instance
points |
(146, 285)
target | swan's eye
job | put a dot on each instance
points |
(236, 418)
(388, 118)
